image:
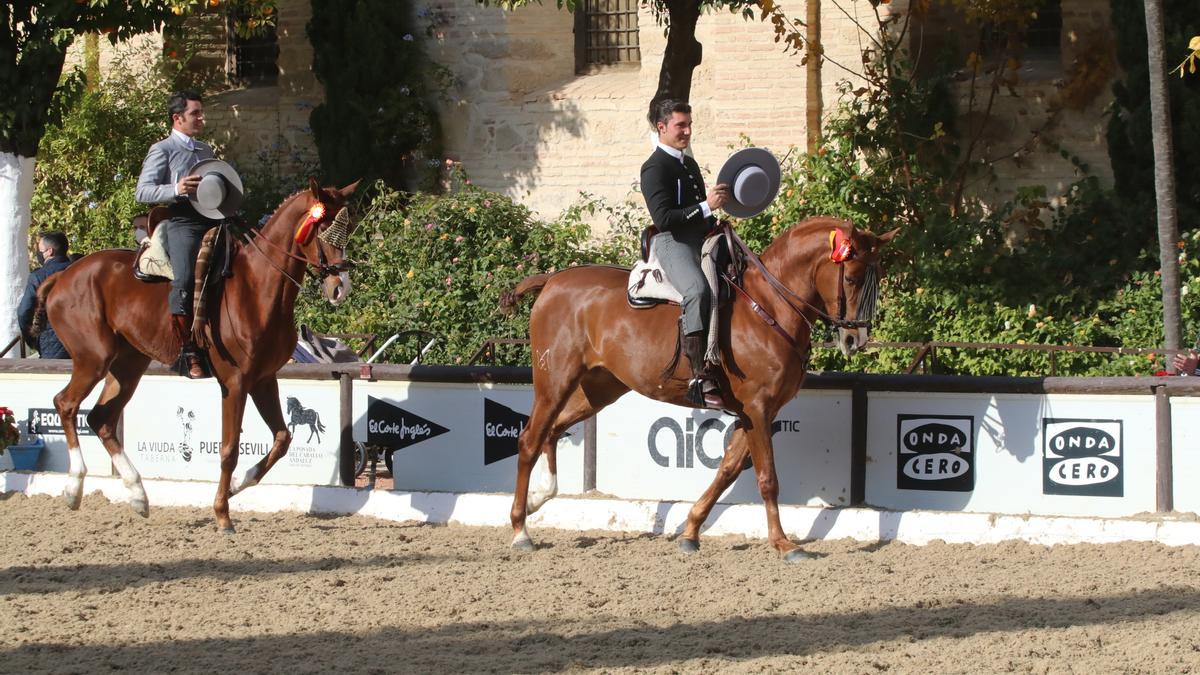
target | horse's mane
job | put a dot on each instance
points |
(285, 203)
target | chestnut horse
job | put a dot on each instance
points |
(590, 348)
(114, 325)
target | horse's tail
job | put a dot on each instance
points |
(320, 427)
(40, 320)
(532, 284)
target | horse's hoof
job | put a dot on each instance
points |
(141, 507)
(228, 530)
(522, 542)
(797, 555)
(689, 546)
(72, 500)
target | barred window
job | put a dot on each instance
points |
(606, 34)
(251, 61)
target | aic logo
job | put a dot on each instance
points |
(935, 452)
(689, 442)
(688, 445)
(1082, 457)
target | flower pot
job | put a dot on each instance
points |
(25, 457)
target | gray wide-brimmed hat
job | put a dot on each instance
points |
(219, 194)
(752, 175)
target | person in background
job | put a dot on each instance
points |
(52, 251)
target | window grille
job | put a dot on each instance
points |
(252, 61)
(606, 34)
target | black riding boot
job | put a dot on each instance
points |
(702, 389)
(188, 363)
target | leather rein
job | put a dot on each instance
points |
(323, 268)
(788, 296)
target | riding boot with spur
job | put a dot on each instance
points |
(188, 363)
(702, 388)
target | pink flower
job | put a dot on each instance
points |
(459, 238)
(520, 266)
(429, 226)
(449, 280)
(487, 203)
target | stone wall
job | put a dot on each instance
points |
(269, 125)
(525, 124)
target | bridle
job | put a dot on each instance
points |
(841, 251)
(321, 265)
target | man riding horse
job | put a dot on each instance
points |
(172, 176)
(683, 213)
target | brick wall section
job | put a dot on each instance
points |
(270, 124)
(524, 124)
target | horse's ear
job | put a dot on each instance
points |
(888, 236)
(349, 189)
(315, 188)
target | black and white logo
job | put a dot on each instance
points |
(935, 452)
(389, 424)
(668, 441)
(1082, 457)
(501, 427)
(298, 415)
(42, 421)
(187, 419)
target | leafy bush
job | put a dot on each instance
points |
(441, 263)
(88, 166)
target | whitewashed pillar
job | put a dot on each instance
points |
(16, 193)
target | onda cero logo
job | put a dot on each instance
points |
(1082, 457)
(935, 452)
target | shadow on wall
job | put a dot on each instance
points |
(507, 110)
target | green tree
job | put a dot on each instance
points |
(34, 38)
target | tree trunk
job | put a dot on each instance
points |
(682, 55)
(1164, 176)
(812, 84)
(16, 192)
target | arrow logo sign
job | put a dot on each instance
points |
(501, 427)
(389, 424)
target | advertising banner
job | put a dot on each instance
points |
(173, 430)
(1011, 453)
(647, 449)
(31, 398)
(1185, 456)
(456, 437)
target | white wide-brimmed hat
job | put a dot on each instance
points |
(752, 175)
(219, 194)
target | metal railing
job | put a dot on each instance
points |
(924, 358)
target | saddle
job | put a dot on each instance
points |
(648, 285)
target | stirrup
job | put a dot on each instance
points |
(705, 393)
(192, 364)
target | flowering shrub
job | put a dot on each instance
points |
(8, 429)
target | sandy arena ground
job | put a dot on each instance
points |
(104, 590)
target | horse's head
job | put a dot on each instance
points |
(323, 233)
(848, 282)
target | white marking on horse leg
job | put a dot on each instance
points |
(542, 486)
(133, 481)
(522, 541)
(236, 485)
(73, 492)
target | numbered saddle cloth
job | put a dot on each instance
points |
(648, 286)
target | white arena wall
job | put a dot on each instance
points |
(1042, 459)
